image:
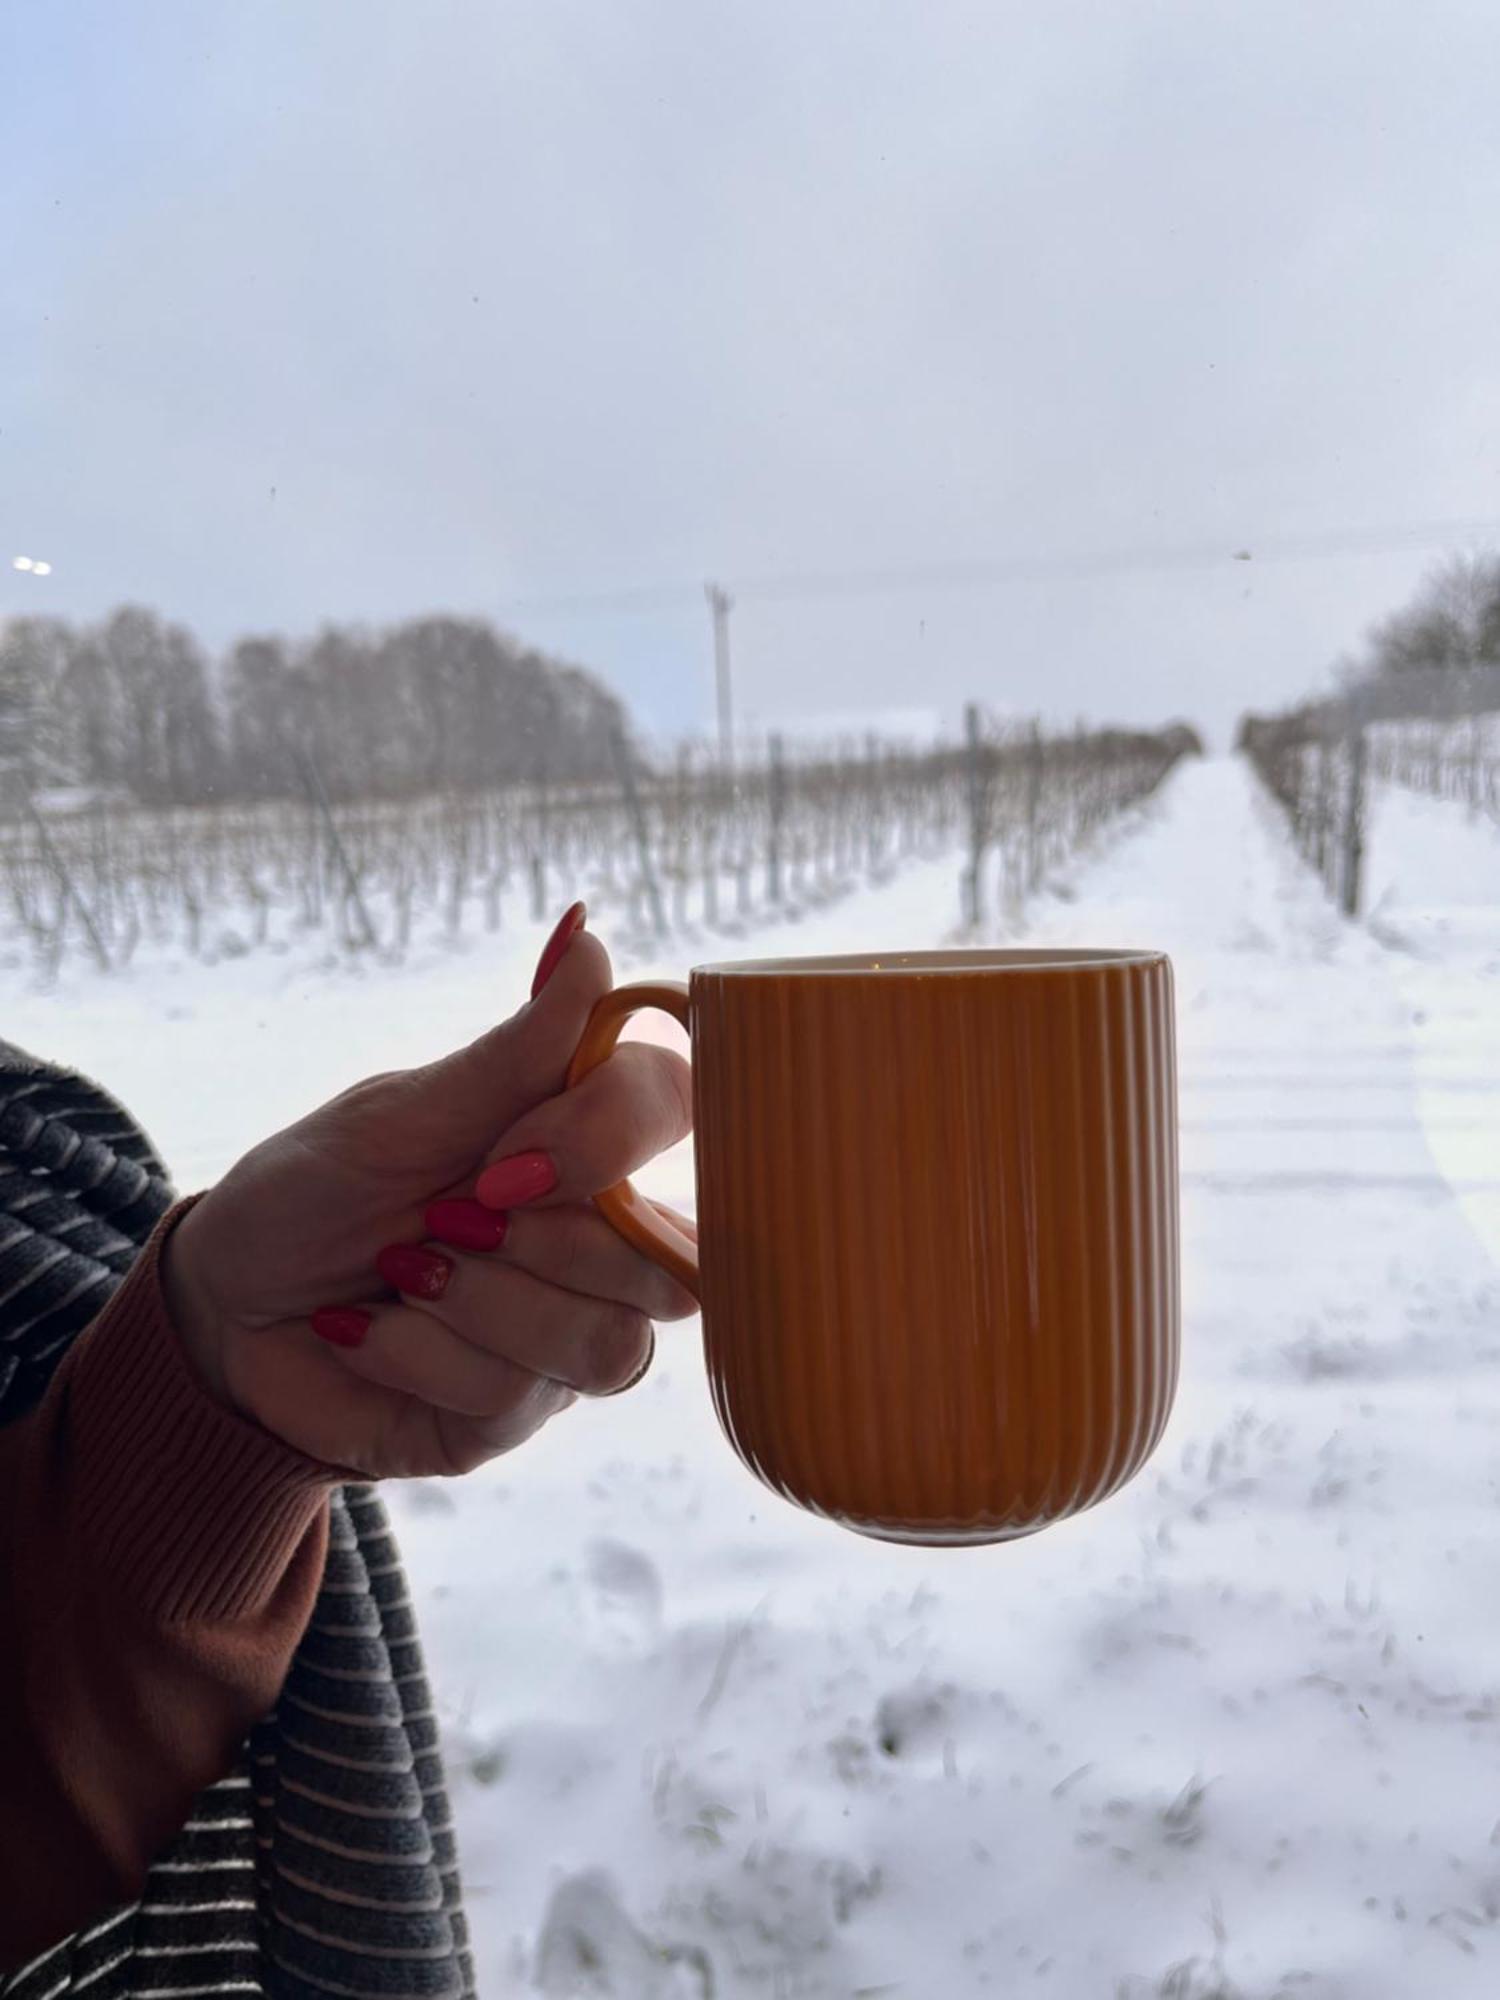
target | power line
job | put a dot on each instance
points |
(1117, 562)
(790, 587)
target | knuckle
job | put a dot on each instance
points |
(635, 1105)
(619, 1346)
(463, 1448)
(673, 1085)
(672, 1301)
(510, 1389)
(655, 1094)
(582, 1138)
(382, 1084)
(509, 1422)
(576, 1228)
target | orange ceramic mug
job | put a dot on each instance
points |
(937, 1218)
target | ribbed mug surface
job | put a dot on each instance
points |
(937, 1204)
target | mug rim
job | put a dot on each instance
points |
(916, 964)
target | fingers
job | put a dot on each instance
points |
(477, 1091)
(620, 1115)
(596, 1345)
(576, 1248)
(466, 1442)
(688, 1224)
(406, 1349)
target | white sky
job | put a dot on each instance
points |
(357, 309)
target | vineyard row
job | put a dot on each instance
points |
(663, 848)
(1318, 764)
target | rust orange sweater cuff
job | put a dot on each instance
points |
(159, 1560)
(190, 1511)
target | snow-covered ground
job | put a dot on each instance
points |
(1237, 1733)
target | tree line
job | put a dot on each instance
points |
(1448, 632)
(134, 706)
(1437, 657)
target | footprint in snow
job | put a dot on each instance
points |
(588, 1945)
(622, 1597)
(917, 1720)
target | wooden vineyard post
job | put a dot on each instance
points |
(67, 888)
(874, 805)
(775, 818)
(974, 777)
(1035, 756)
(313, 779)
(1354, 820)
(1475, 765)
(1322, 814)
(709, 834)
(543, 809)
(633, 807)
(681, 813)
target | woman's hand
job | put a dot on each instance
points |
(450, 1329)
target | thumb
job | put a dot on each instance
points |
(469, 1098)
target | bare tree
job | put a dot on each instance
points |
(258, 686)
(35, 654)
(1451, 626)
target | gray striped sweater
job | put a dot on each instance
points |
(323, 1863)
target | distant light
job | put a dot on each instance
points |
(23, 562)
(41, 569)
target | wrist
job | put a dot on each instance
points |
(192, 1311)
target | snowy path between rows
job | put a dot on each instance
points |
(1234, 1734)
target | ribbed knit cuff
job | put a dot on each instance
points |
(188, 1511)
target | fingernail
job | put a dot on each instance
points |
(569, 924)
(466, 1225)
(407, 1267)
(343, 1326)
(512, 1183)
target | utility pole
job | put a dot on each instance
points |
(720, 603)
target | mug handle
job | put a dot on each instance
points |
(661, 1237)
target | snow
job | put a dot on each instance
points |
(1433, 892)
(1431, 856)
(1235, 1733)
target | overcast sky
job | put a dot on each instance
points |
(354, 310)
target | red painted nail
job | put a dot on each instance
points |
(343, 1326)
(407, 1267)
(466, 1225)
(569, 924)
(511, 1183)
